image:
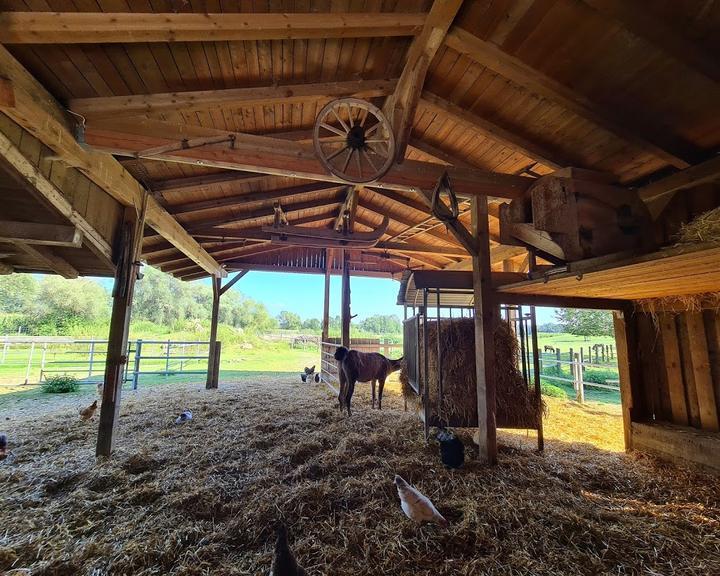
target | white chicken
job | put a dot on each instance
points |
(416, 505)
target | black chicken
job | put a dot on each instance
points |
(452, 450)
(284, 563)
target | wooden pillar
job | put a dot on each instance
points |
(626, 340)
(326, 303)
(126, 273)
(212, 376)
(485, 318)
(345, 301)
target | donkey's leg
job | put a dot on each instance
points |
(349, 393)
(381, 381)
(373, 392)
(343, 387)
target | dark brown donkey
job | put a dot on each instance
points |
(354, 366)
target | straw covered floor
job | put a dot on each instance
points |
(201, 498)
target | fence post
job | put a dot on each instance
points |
(578, 379)
(612, 353)
(167, 358)
(42, 360)
(92, 358)
(136, 369)
(29, 364)
(558, 366)
(6, 345)
(597, 357)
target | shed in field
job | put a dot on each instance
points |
(192, 140)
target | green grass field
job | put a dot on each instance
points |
(240, 360)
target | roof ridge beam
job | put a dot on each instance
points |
(123, 106)
(128, 27)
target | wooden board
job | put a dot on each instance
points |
(677, 443)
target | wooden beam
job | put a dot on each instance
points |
(641, 21)
(116, 358)
(54, 196)
(498, 253)
(645, 135)
(415, 247)
(241, 199)
(507, 138)
(234, 280)
(345, 315)
(700, 361)
(658, 194)
(154, 104)
(212, 375)
(326, 299)
(400, 107)
(485, 319)
(39, 113)
(264, 212)
(205, 181)
(41, 234)
(49, 259)
(438, 153)
(245, 265)
(297, 160)
(678, 444)
(122, 27)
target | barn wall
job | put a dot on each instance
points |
(90, 201)
(672, 398)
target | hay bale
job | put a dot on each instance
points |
(516, 404)
(703, 229)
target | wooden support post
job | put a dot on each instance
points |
(116, 358)
(485, 318)
(345, 301)
(626, 337)
(326, 302)
(212, 378)
(138, 360)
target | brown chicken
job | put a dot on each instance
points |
(284, 563)
(89, 412)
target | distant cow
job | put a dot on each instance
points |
(354, 366)
(549, 348)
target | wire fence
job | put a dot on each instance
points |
(33, 360)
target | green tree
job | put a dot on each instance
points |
(313, 324)
(63, 303)
(585, 323)
(382, 324)
(17, 293)
(289, 320)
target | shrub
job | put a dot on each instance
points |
(60, 384)
(599, 376)
(552, 390)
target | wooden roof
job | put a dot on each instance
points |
(516, 89)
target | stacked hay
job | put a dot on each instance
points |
(703, 229)
(516, 404)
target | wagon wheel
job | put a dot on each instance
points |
(354, 140)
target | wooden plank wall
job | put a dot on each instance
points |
(100, 210)
(679, 355)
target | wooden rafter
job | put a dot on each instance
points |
(438, 153)
(43, 234)
(658, 194)
(630, 129)
(108, 27)
(400, 107)
(265, 212)
(55, 197)
(297, 160)
(242, 199)
(153, 104)
(40, 114)
(636, 17)
(204, 181)
(494, 131)
(49, 259)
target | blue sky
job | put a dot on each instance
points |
(303, 294)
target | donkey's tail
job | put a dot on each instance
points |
(396, 364)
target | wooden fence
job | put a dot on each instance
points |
(599, 356)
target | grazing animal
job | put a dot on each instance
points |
(417, 506)
(308, 373)
(184, 417)
(89, 412)
(3, 446)
(354, 366)
(284, 563)
(452, 450)
(548, 348)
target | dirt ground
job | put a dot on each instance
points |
(202, 498)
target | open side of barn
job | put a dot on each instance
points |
(550, 149)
